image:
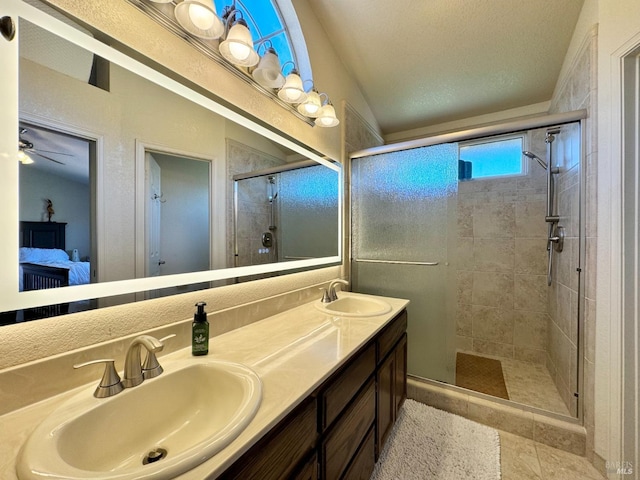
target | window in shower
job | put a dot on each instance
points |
(493, 157)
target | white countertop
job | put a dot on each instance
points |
(293, 353)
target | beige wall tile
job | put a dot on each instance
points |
(530, 219)
(493, 324)
(530, 355)
(464, 319)
(493, 349)
(495, 220)
(530, 256)
(530, 293)
(530, 329)
(492, 289)
(493, 255)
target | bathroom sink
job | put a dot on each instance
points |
(159, 429)
(355, 306)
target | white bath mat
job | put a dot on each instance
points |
(427, 443)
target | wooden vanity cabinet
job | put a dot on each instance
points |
(339, 430)
(391, 378)
(282, 453)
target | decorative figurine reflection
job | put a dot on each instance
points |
(50, 210)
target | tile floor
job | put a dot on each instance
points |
(526, 383)
(524, 459)
(531, 384)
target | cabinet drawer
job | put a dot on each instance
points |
(391, 334)
(339, 393)
(278, 453)
(342, 442)
(364, 462)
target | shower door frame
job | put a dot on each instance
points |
(487, 131)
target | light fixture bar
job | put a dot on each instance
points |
(166, 21)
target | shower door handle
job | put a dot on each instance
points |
(396, 262)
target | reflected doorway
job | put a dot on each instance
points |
(177, 216)
(57, 204)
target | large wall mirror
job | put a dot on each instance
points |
(127, 184)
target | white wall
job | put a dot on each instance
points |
(618, 32)
(71, 202)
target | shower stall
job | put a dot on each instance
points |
(284, 213)
(490, 259)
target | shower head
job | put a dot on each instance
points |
(533, 156)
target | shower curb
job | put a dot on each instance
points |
(537, 425)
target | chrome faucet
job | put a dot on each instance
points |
(330, 294)
(133, 375)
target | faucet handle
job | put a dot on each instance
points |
(325, 295)
(110, 384)
(151, 368)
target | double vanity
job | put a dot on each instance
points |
(311, 392)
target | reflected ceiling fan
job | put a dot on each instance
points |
(26, 149)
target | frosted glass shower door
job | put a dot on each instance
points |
(403, 229)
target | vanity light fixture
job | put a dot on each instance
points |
(312, 105)
(23, 158)
(268, 73)
(236, 52)
(198, 17)
(237, 47)
(292, 91)
(327, 116)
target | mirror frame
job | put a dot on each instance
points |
(12, 299)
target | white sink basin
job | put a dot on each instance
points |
(191, 412)
(355, 306)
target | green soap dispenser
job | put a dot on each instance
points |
(200, 331)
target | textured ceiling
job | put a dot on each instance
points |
(425, 62)
(71, 152)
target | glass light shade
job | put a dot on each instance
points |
(198, 17)
(24, 158)
(292, 91)
(327, 117)
(237, 48)
(311, 106)
(267, 73)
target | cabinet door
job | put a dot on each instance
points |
(400, 386)
(309, 470)
(385, 379)
(278, 454)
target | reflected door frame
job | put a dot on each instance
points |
(217, 217)
(96, 165)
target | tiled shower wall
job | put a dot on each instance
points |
(502, 289)
(579, 91)
(253, 205)
(562, 328)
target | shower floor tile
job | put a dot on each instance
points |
(532, 384)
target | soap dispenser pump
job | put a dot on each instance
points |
(200, 331)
